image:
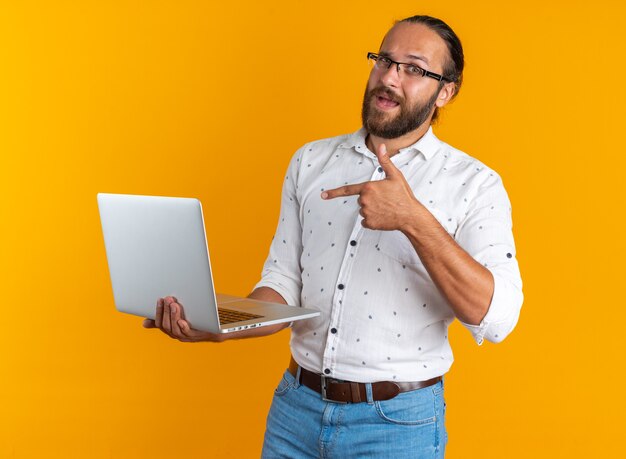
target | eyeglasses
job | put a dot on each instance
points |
(410, 70)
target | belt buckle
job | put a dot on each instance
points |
(323, 381)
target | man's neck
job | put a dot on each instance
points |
(393, 145)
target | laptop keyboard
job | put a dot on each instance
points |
(228, 316)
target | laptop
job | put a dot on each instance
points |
(156, 247)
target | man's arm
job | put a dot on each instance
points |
(170, 319)
(486, 301)
(476, 271)
(282, 271)
(466, 284)
(390, 205)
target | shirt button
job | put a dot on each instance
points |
(333, 330)
(380, 169)
(340, 286)
(352, 243)
(327, 371)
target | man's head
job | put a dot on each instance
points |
(397, 102)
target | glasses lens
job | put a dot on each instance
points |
(411, 71)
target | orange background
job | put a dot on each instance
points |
(211, 99)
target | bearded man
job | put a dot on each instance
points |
(392, 234)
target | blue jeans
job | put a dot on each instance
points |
(301, 425)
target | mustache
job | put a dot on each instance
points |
(387, 93)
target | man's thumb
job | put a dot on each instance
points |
(385, 162)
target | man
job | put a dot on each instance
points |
(392, 234)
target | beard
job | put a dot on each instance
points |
(380, 124)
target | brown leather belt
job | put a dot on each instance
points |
(336, 390)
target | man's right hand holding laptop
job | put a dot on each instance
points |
(170, 319)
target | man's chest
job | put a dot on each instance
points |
(329, 223)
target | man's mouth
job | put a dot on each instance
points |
(384, 102)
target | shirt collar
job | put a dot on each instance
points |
(427, 145)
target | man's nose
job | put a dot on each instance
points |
(391, 76)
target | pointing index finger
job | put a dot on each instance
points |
(347, 190)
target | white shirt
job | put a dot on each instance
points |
(382, 317)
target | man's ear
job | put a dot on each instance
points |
(445, 94)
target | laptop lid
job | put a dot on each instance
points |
(156, 246)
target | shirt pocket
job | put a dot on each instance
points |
(397, 246)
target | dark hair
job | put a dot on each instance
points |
(453, 67)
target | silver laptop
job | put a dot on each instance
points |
(156, 247)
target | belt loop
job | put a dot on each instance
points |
(368, 392)
(298, 371)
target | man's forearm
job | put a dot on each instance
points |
(267, 294)
(263, 294)
(466, 284)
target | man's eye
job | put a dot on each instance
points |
(414, 70)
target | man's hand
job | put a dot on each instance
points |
(387, 204)
(170, 319)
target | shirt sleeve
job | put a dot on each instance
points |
(486, 233)
(282, 271)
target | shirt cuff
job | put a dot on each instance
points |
(289, 297)
(477, 331)
(502, 314)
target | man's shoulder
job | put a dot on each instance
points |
(458, 160)
(329, 142)
(317, 152)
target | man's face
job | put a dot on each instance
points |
(394, 104)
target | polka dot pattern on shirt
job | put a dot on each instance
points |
(311, 256)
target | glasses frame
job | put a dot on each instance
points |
(375, 57)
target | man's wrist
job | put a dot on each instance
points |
(414, 220)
